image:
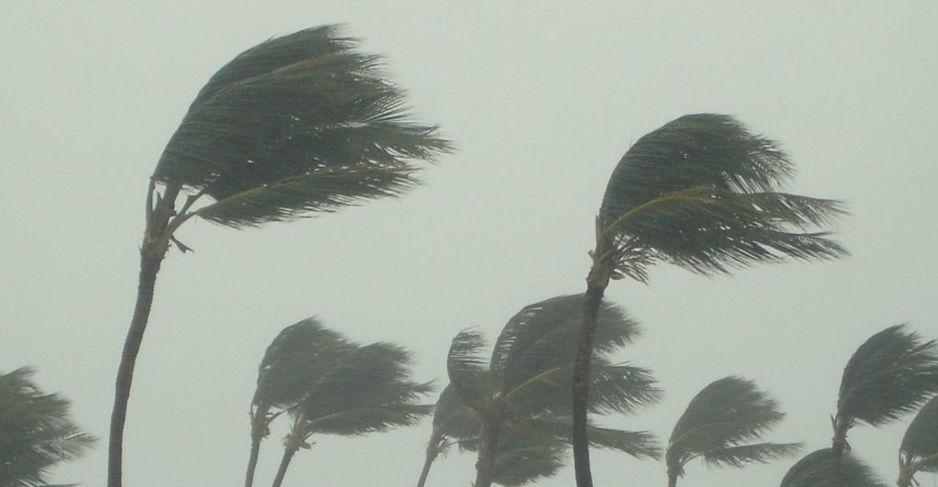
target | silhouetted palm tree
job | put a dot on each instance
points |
(524, 389)
(919, 449)
(701, 192)
(817, 470)
(719, 426)
(890, 375)
(36, 432)
(328, 385)
(298, 124)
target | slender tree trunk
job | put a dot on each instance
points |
(488, 452)
(596, 283)
(433, 449)
(284, 463)
(673, 474)
(258, 430)
(838, 446)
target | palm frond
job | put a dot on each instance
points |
(739, 456)
(639, 444)
(702, 192)
(453, 418)
(891, 374)
(523, 459)
(720, 420)
(467, 369)
(919, 448)
(300, 123)
(817, 470)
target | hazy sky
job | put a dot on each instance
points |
(542, 99)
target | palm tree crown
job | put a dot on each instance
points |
(919, 448)
(817, 469)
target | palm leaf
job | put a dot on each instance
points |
(702, 192)
(639, 444)
(891, 374)
(296, 124)
(817, 470)
(468, 372)
(739, 456)
(523, 459)
(453, 418)
(919, 448)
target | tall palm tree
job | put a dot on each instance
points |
(703, 193)
(295, 125)
(337, 388)
(525, 387)
(719, 426)
(817, 470)
(919, 449)
(891, 374)
(36, 432)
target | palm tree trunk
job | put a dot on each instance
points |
(838, 446)
(488, 452)
(284, 463)
(258, 429)
(672, 477)
(596, 283)
(433, 449)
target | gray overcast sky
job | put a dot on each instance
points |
(542, 99)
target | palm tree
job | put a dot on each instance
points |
(817, 470)
(919, 449)
(295, 125)
(719, 424)
(36, 432)
(890, 375)
(335, 388)
(703, 193)
(525, 387)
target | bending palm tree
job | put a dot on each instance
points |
(701, 192)
(298, 124)
(719, 424)
(35, 431)
(889, 375)
(524, 389)
(817, 470)
(919, 449)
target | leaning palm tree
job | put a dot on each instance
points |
(36, 432)
(360, 390)
(703, 193)
(525, 388)
(890, 375)
(919, 449)
(719, 426)
(293, 126)
(817, 470)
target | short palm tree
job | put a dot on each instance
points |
(293, 126)
(329, 385)
(524, 389)
(703, 193)
(817, 470)
(719, 426)
(919, 449)
(36, 432)
(891, 374)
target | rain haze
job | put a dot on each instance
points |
(541, 100)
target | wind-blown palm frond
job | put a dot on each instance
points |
(299, 123)
(639, 444)
(36, 432)
(919, 448)
(702, 192)
(524, 459)
(817, 470)
(719, 424)
(467, 369)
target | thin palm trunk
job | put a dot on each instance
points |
(284, 463)
(488, 452)
(257, 434)
(596, 283)
(433, 449)
(673, 474)
(838, 446)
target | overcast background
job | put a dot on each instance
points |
(542, 99)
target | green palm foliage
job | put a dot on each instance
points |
(817, 470)
(919, 449)
(891, 374)
(36, 432)
(296, 125)
(704, 193)
(331, 386)
(719, 426)
(523, 390)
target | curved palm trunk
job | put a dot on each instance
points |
(596, 283)
(258, 428)
(284, 463)
(838, 446)
(488, 452)
(433, 449)
(673, 474)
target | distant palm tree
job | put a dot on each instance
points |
(719, 426)
(919, 449)
(524, 389)
(331, 386)
(817, 470)
(36, 432)
(295, 125)
(890, 375)
(701, 192)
